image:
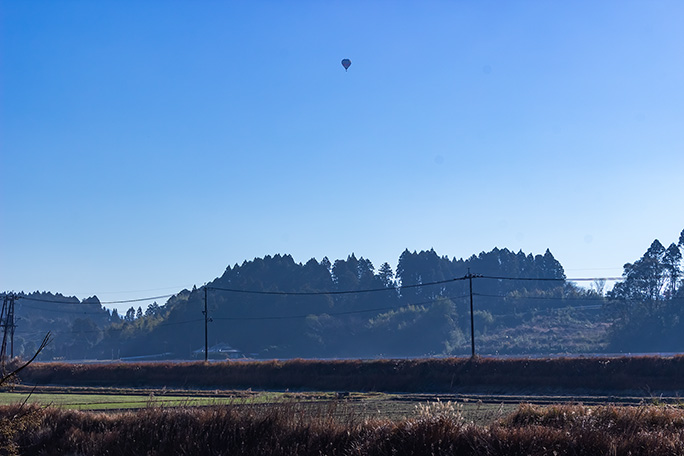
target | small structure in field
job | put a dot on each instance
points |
(219, 351)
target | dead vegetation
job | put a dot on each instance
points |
(446, 375)
(289, 428)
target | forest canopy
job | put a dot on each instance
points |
(274, 307)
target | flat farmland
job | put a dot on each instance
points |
(106, 401)
(107, 420)
(484, 389)
(358, 405)
(476, 408)
(303, 407)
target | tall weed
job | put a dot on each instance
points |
(296, 428)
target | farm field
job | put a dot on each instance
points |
(362, 405)
(106, 401)
(298, 425)
(385, 389)
(510, 407)
(476, 408)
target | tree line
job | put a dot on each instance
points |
(276, 307)
(647, 308)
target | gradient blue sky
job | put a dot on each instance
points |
(147, 145)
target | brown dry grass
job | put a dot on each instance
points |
(290, 429)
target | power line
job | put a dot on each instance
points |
(76, 312)
(262, 292)
(396, 289)
(325, 292)
(329, 292)
(318, 293)
(125, 301)
(543, 279)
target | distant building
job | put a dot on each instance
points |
(219, 351)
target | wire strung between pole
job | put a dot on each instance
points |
(313, 293)
(317, 293)
(344, 292)
(125, 301)
(546, 279)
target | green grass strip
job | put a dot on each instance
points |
(111, 401)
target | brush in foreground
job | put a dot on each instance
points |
(292, 428)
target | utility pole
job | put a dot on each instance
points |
(472, 319)
(8, 325)
(206, 327)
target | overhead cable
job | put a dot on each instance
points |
(318, 293)
(326, 292)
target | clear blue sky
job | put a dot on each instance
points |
(145, 146)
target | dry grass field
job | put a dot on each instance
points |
(448, 407)
(480, 409)
(340, 427)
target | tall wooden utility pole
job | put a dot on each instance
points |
(472, 319)
(206, 327)
(7, 324)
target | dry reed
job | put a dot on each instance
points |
(292, 428)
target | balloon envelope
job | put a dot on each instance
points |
(346, 63)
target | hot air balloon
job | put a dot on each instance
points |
(346, 63)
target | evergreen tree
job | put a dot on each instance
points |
(345, 273)
(152, 310)
(671, 261)
(325, 262)
(644, 279)
(365, 273)
(409, 273)
(551, 268)
(386, 275)
(647, 317)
